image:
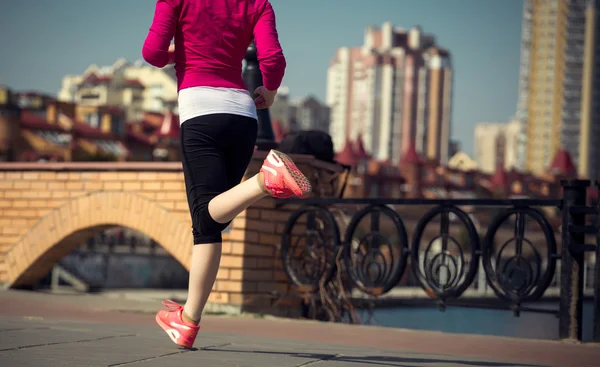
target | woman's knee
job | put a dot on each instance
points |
(205, 225)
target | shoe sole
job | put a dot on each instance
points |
(293, 177)
(166, 330)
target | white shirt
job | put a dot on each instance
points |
(199, 101)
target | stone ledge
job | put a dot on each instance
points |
(92, 166)
(142, 166)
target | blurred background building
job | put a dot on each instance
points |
(394, 91)
(136, 87)
(559, 84)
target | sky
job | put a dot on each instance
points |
(42, 40)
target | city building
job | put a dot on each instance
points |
(39, 128)
(309, 114)
(280, 110)
(393, 91)
(35, 127)
(418, 177)
(9, 117)
(461, 161)
(559, 85)
(136, 87)
(488, 149)
(301, 114)
(454, 147)
(523, 95)
(496, 144)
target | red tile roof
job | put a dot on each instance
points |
(411, 156)
(86, 131)
(562, 164)
(96, 80)
(30, 120)
(359, 148)
(500, 178)
(346, 156)
(111, 109)
(140, 138)
(134, 83)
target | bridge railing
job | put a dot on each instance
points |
(333, 248)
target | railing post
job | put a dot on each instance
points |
(265, 139)
(596, 335)
(571, 280)
(482, 280)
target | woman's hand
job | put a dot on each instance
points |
(171, 52)
(265, 97)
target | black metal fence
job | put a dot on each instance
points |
(329, 258)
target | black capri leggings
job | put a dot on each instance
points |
(215, 151)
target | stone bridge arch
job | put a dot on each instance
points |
(71, 224)
(47, 209)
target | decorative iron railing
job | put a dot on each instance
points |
(328, 253)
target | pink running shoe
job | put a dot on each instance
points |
(282, 178)
(181, 333)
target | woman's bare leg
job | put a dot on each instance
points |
(206, 257)
(279, 177)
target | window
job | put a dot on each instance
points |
(118, 126)
(93, 119)
(90, 96)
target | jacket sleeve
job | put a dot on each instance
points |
(270, 55)
(162, 30)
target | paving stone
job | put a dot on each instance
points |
(404, 361)
(92, 337)
(37, 336)
(228, 358)
(87, 344)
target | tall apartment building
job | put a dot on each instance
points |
(523, 99)
(394, 90)
(559, 84)
(496, 144)
(136, 87)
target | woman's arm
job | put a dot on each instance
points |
(268, 50)
(156, 46)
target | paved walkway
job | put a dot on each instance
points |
(50, 330)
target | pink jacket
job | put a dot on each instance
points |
(211, 38)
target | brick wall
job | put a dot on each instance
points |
(47, 210)
(251, 268)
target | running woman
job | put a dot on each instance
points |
(218, 128)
